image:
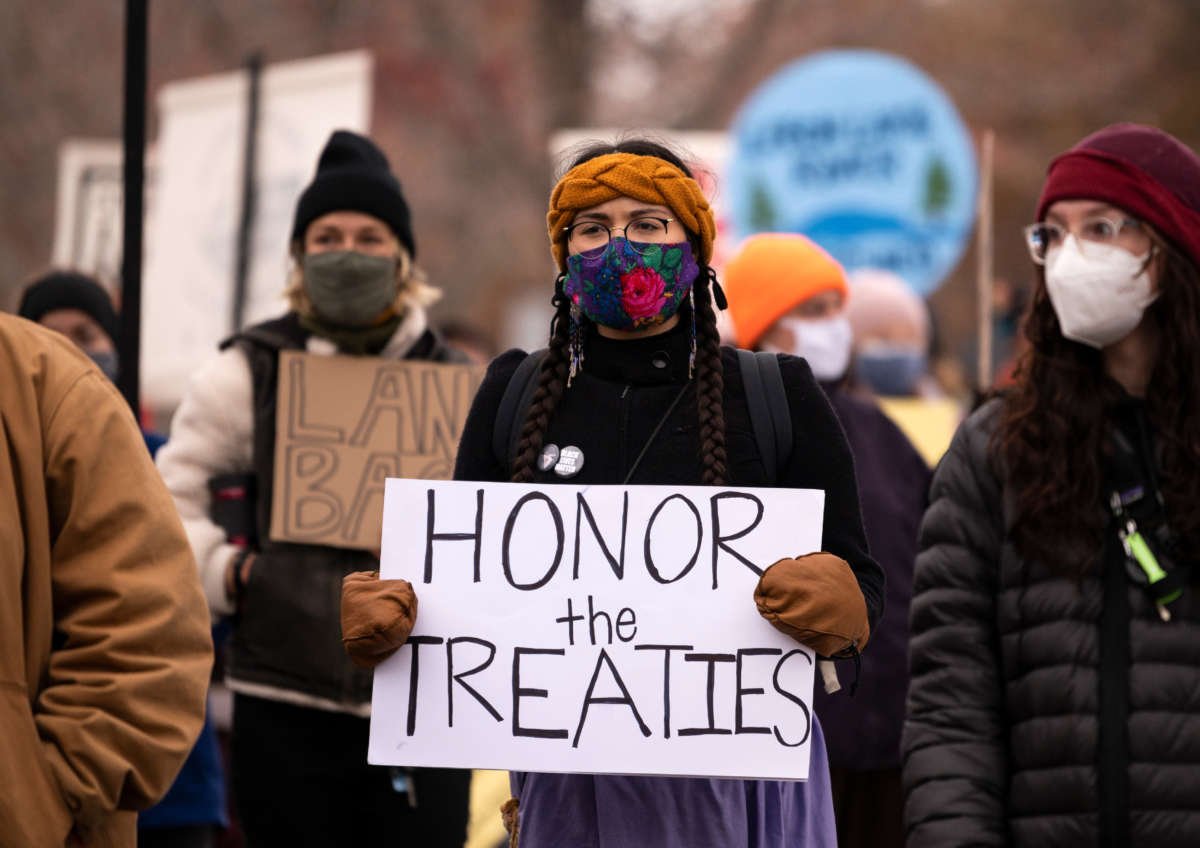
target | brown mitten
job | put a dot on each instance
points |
(377, 616)
(815, 599)
(508, 815)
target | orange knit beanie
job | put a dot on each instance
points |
(771, 274)
(645, 178)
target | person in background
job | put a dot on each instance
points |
(299, 769)
(891, 330)
(787, 295)
(78, 306)
(1055, 696)
(634, 361)
(893, 340)
(104, 645)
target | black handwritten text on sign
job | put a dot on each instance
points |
(595, 629)
(345, 424)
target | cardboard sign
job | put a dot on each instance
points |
(594, 629)
(344, 424)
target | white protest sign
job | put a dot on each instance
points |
(594, 629)
(88, 222)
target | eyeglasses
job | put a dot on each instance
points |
(641, 233)
(1041, 238)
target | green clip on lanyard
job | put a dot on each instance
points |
(1138, 551)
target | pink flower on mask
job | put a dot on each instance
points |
(642, 294)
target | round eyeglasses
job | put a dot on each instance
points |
(1127, 233)
(643, 234)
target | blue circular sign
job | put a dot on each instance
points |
(864, 154)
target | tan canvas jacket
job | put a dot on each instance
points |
(105, 649)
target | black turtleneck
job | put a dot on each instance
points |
(647, 361)
(622, 394)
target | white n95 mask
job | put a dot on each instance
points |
(825, 343)
(1098, 298)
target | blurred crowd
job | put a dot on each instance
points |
(1007, 574)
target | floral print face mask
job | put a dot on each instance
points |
(630, 288)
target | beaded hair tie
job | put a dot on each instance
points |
(575, 344)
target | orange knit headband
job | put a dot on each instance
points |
(645, 178)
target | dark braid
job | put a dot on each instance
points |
(551, 383)
(710, 385)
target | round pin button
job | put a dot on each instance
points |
(570, 462)
(547, 458)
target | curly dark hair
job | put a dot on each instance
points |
(710, 375)
(1051, 444)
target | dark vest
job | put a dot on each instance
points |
(287, 631)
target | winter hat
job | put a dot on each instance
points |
(883, 305)
(353, 174)
(772, 274)
(1140, 169)
(70, 290)
(645, 178)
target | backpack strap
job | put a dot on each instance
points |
(514, 405)
(769, 413)
(781, 413)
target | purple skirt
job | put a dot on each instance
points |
(611, 811)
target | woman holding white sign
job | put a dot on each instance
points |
(299, 750)
(1055, 696)
(635, 389)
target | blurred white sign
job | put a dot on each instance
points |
(88, 222)
(187, 291)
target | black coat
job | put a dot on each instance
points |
(612, 407)
(1019, 695)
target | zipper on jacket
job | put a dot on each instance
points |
(1113, 760)
(1115, 653)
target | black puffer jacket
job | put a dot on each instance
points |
(1042, 711)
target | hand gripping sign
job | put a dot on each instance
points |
(594, 629)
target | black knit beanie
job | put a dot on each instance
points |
(353, 174)
(70, 290)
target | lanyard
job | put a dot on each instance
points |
(1142, 564)
(657, 427)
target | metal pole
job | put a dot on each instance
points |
(984, 262)
(245, 233)
(129, 345)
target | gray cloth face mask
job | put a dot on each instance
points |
(107, 362)
(349, 288)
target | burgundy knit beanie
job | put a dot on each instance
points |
(1142, 170)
